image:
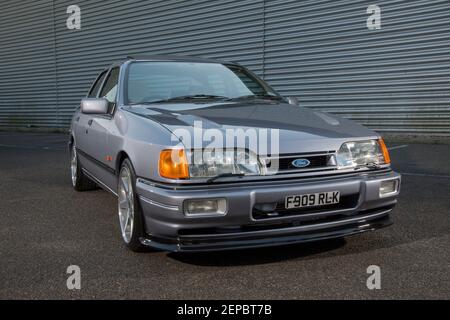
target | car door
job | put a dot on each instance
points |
(81, 122)
(98, 128)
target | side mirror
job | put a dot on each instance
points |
(293, 101)
(94, 106)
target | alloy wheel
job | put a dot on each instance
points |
(74, 166)
(126, 204)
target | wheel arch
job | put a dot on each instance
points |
(121, 156)
(71, 140)
(70, 143)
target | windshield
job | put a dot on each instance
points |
(161, 81)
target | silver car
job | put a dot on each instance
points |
(136, 135)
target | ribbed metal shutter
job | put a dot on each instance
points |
(27, 65)
(394, 79)
(111, 30)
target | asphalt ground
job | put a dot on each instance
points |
(45, 226)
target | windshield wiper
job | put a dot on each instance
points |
(223, 175)
(198, 96)
(186, 97)
(208, 96)
(256, 96)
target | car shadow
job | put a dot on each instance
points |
(258, 256)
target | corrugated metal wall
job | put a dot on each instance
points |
(27, 64)
(111, 30)
(393, 79)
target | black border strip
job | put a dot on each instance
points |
(97, 162)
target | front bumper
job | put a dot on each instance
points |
(168, 228)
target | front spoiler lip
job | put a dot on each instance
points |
(204, 244)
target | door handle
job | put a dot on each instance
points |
(90, 122)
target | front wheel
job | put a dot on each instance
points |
(130, 212)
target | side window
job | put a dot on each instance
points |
(252, 85)
(96, 87)
(109, 90)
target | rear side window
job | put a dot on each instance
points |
(96, 87)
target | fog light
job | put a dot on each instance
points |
(205, 207)
(388, 187)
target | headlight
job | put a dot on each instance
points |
(210, 163)
(362, 153)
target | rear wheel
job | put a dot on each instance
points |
(80, 181)
(130, 212)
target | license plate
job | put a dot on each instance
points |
(312, 199)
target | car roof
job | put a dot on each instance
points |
(169, 58)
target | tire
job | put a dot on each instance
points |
(80, 182)
(129, 209)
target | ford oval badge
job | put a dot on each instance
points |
(300, 163)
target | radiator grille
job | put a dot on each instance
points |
(285, 163)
